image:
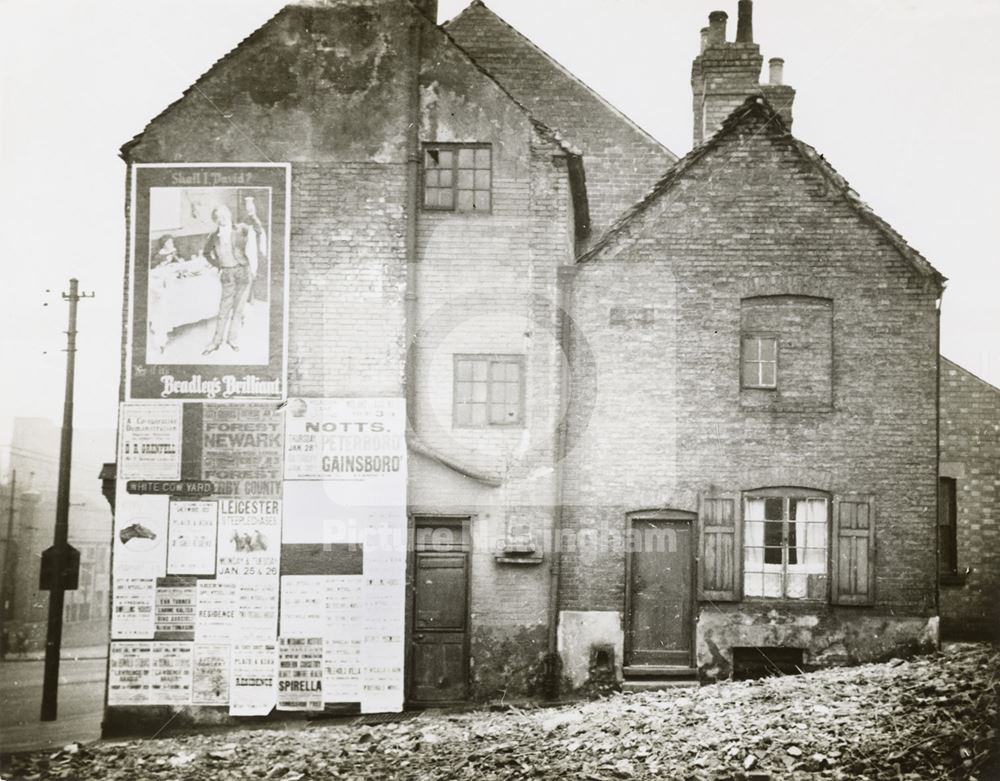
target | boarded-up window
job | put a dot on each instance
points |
(719, 560)
(853, 551)
(489, 390)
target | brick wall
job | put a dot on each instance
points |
(753, 218)
(722, 77)
(803, 328)
(622, 161)
(346, 327)
(487, 284)
(970, 453)
(339, 115)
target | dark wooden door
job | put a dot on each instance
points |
(659, 598)
(438, 651)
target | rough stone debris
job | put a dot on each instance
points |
(930, 717)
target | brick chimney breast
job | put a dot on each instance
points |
(725, 74)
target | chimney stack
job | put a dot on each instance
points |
(725, 74)
(717, 28)
(744, 23)
(776, 71)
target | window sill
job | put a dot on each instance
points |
(457, 213)
(518, 558)
(785, 602)
(784, 407)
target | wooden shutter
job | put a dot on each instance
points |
(853, 551)
(720, 553)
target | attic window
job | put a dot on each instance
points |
(458, 177)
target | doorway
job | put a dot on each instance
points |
(439, 647)
(659, 594)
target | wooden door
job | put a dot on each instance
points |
(439, 660)
(659, 601)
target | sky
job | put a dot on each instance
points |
(899, 95)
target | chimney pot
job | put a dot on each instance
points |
(776, 71)
(744, 22)
(717, 28)
(704, 38)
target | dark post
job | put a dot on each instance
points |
(7, 582)
(53, 637)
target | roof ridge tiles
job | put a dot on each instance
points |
(564, 70)
(760, 104)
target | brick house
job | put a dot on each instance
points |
(969, 505)
(663, 415)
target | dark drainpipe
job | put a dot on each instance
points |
(553, 663)
(412, 208)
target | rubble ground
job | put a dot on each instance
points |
(930, 717)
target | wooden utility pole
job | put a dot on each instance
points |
(61, 563)
(6, 582)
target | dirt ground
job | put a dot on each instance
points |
(930, 717)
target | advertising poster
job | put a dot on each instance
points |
(314, 514)
(149, 441)
(133, 609)
(175, 606)
(303, 601)
(130, 674)
(349, 441)
(383, 644)
(249, 539)
(149, 674)
(208, 267)
(253, 682)
(140, 534)
(191, 538)
(215, 611)
(170, 682)
(342, 639)
(257, 609)
(300, 673)
(242, 448)
(210, 675)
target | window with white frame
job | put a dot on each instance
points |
(785, 544)
(760, 361)
(489, 390)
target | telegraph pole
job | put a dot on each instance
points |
(8, 557)
(58, 573)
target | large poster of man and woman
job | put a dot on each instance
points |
(208, 268)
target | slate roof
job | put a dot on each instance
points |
(758, 106)
(974, 376)
(621, 160)
(547, 132)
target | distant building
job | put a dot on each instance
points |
(34, 455)
(969, 506)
